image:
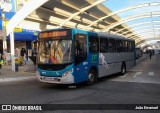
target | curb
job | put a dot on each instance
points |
(16, 79)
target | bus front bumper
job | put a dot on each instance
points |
(67, 79)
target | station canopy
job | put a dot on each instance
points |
(91, 15)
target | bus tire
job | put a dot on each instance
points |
(92, 77)
(123, 69)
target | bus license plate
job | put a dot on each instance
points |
(48, 78)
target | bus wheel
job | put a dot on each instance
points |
(92, 77)
(123, 69)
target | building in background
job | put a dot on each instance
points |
(23, 37)
(18, 4)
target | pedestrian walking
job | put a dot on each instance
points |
(1, 62)
(22, 52)
(150, 54)
(25, 59)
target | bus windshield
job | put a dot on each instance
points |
(57, 51)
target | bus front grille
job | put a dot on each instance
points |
(52, 67)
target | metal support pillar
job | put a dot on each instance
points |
(12, 50)
(4, 34)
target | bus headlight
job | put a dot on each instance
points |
(69, 72)
(67, 77)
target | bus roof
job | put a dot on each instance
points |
(95, 33)
(113, 36)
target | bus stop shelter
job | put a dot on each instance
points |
(89, 15)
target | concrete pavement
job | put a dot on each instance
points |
(146, 71)
(135, 87)
(24, 73)
(29, 71)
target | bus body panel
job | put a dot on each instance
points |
(113, 62)
(56, 76)
(80, 70)
(52, 73)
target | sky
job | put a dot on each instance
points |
(115, 5)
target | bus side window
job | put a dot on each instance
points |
(129, 46)
(133, 46)
(124, 46)
(119, 45)
(112, 46)
(93, 44)
(103, 45)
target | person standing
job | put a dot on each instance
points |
(1, 52)
(1, 61)
(17, 52)
(25, 59)
(23, 51)
(150, 54)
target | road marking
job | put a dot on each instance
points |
(124, 76)
(16, 79)
(135, 70)
(151, 73)
(136, 74)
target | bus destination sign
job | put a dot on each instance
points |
(50, 34)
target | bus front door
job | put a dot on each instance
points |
(80, 72)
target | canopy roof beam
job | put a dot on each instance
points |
(131, 18)
(23, 13)
(149, 39)
(142, 32)
(81, 11)
(138, 24)
(123, 10)
(141, 29)
(76, 8)
(133, 30)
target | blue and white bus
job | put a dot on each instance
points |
(68, 56)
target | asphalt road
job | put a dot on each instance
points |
(140, 85)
